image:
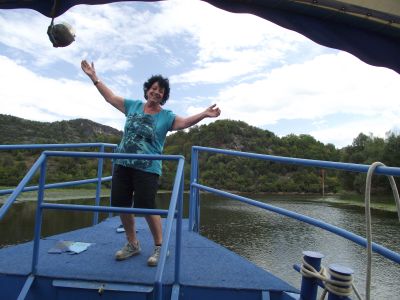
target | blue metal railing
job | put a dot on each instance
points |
(195, 187)
(175, 208)
(15, 192)
(174, 211)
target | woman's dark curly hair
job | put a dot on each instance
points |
(163, 82)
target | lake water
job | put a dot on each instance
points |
(271, 241)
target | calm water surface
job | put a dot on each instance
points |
(275, 242)
(271, 241)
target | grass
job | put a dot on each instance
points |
(376, 202)
(60, 194)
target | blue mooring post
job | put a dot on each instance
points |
(341, 272)
(309, 285)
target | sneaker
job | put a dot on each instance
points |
(127, 251)
(153, 259)
(120, 228)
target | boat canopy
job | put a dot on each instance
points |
(368, 29)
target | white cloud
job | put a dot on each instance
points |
(223, 45)
(326, 85)
(343, 134)
(34, 97)
(256, 71)
(102, 31)
(229, 45)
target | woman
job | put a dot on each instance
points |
(136, 181)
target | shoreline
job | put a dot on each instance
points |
(54, 195)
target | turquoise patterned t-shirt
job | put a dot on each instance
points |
(144, 134)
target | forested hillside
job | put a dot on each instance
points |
(249, 175)
(226, 172)
(14, 164)
(20, 131)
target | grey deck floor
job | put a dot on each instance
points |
(204, 263)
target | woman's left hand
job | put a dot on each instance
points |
(213, 111)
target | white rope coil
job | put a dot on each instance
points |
(342, 287)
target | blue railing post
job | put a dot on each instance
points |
(194, 213)
(109, 198)
(98, 187)
(174, 211)
(38, 218)
(338, 273)
(309, 285)
(178, 242)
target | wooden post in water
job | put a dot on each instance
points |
(323, 182)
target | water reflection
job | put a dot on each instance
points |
(269, 240)
(275, 242)
(18, 224)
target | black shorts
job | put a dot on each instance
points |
(130, 185)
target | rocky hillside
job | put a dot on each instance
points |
(16, 130)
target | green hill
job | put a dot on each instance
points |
(249, 175)
(225, 172)
(15, 164)
(16, 130)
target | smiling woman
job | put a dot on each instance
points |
(135, 181)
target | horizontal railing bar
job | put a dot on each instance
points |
(58, 185)
(393, 171)
(77, 207)
(318, 223)
(111, 155)
(54, 146)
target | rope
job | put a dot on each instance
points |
(51, 26)
(54, 9)
(345, 286)
(342, 287)
(368, 219)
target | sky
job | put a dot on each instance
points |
(254, 70)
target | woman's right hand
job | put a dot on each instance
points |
(89, 69)
(116, 101)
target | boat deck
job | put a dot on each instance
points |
(204, 263)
